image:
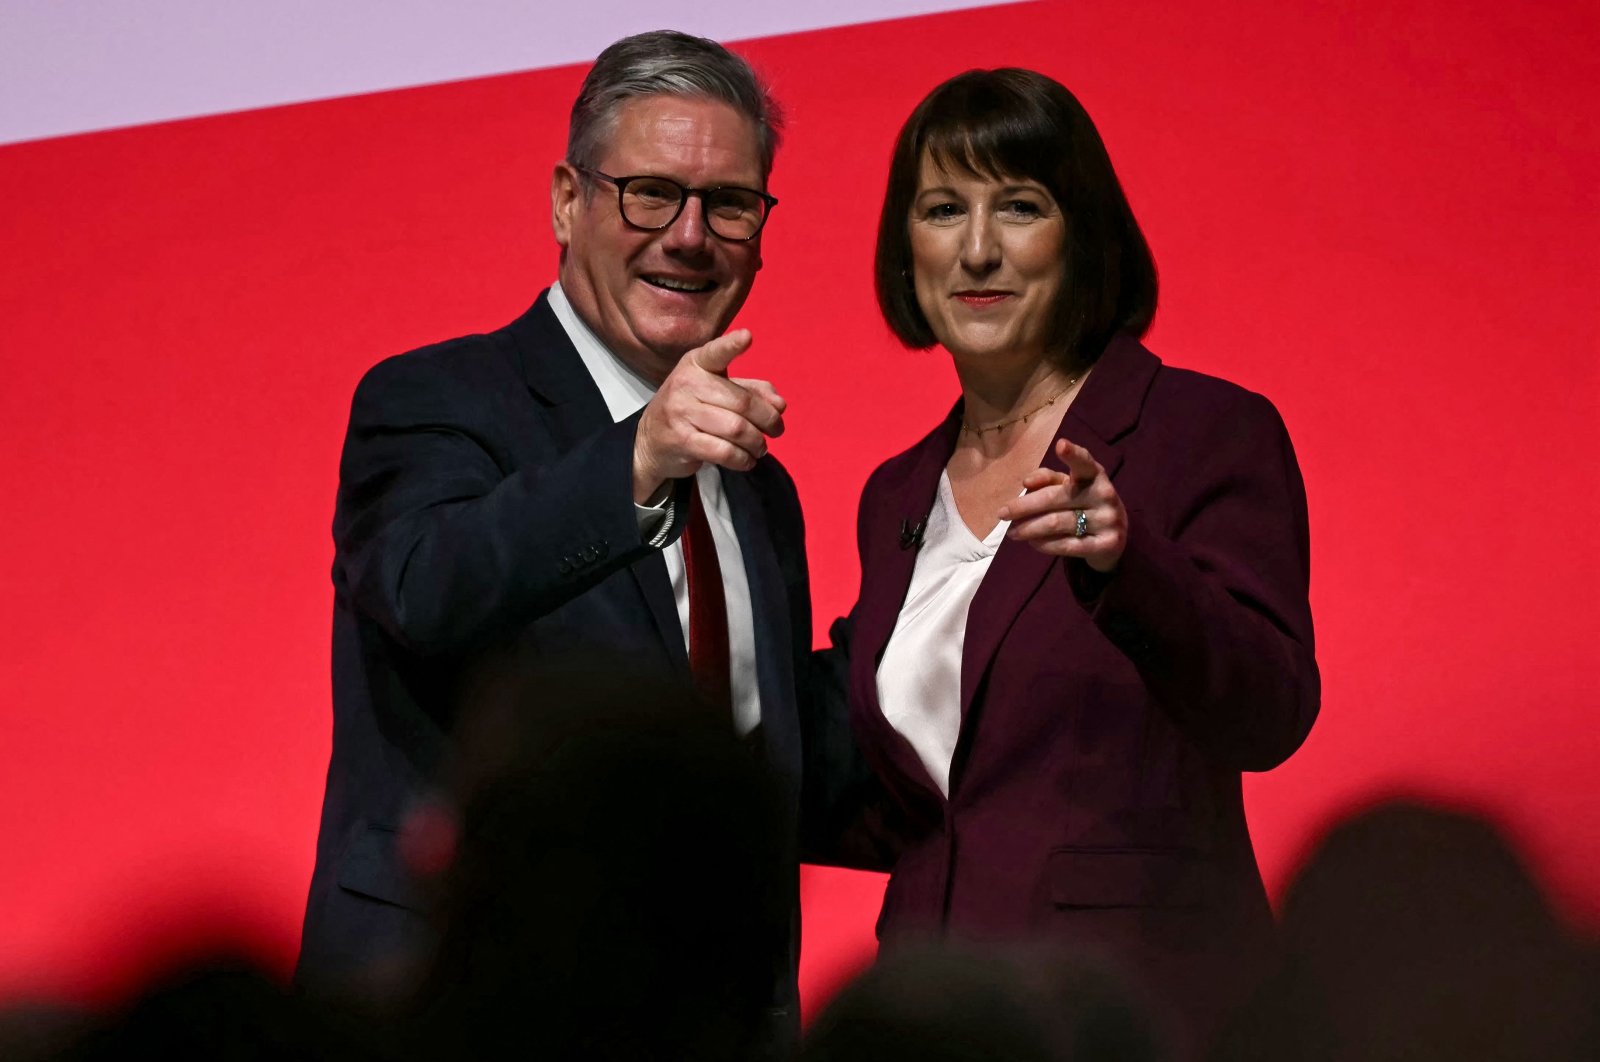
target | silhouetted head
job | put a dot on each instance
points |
(958, 1003)
(621, 886)
(1417, 933)
(225, 1009)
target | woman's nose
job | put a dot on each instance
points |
(980, 251)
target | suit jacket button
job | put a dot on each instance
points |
(565, 567)
(605, 547)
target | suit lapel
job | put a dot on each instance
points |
(769, 611)
(555, 373)
(556, 376)
(655, 585)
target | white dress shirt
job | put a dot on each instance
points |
(919, 676)
(625, 393)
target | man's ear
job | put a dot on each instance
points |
(566, 198)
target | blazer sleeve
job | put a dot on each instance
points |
(843, 808)
(442, 539)
(1211, 605)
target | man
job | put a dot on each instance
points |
(586, 478)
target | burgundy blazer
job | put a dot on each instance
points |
(1095, 787)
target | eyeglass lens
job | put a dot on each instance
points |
(654, 203)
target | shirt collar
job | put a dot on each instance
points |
(625, 391)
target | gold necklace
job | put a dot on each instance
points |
(1023, 419)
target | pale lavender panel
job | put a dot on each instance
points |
(70, 66)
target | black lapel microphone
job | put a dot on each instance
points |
(911, 533)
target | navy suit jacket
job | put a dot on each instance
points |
(485, 520)
(1095, 786)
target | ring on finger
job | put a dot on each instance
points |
(1082, 527)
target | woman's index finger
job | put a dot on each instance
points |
(1080, 462)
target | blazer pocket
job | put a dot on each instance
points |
(371, 867)
(1125, 877)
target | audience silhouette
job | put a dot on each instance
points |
(607, 877)
(955, 1003)
(1416, 933)
(617, 884)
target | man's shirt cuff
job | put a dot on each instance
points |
(656, 522)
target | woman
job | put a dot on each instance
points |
(1083, 603)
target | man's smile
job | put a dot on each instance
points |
(692, 287)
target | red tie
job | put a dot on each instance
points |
(708, 609)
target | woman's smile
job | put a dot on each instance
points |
(982, 299)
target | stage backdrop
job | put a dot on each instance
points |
(1383, 216)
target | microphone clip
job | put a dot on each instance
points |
(911, 533)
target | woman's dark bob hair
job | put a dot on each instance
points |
(1020, 124)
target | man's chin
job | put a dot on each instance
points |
(667, 327)
(670, 347)
(654, 357)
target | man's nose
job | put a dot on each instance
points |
(688, 232)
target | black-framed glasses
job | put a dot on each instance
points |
(654, 203)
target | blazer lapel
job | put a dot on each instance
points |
(1105, 410)
(559, 381)
(887, 565)
(890, 558)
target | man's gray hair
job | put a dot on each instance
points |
(667, 63)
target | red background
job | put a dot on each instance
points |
(1383, 216)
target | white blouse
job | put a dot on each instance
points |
(919, 677)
